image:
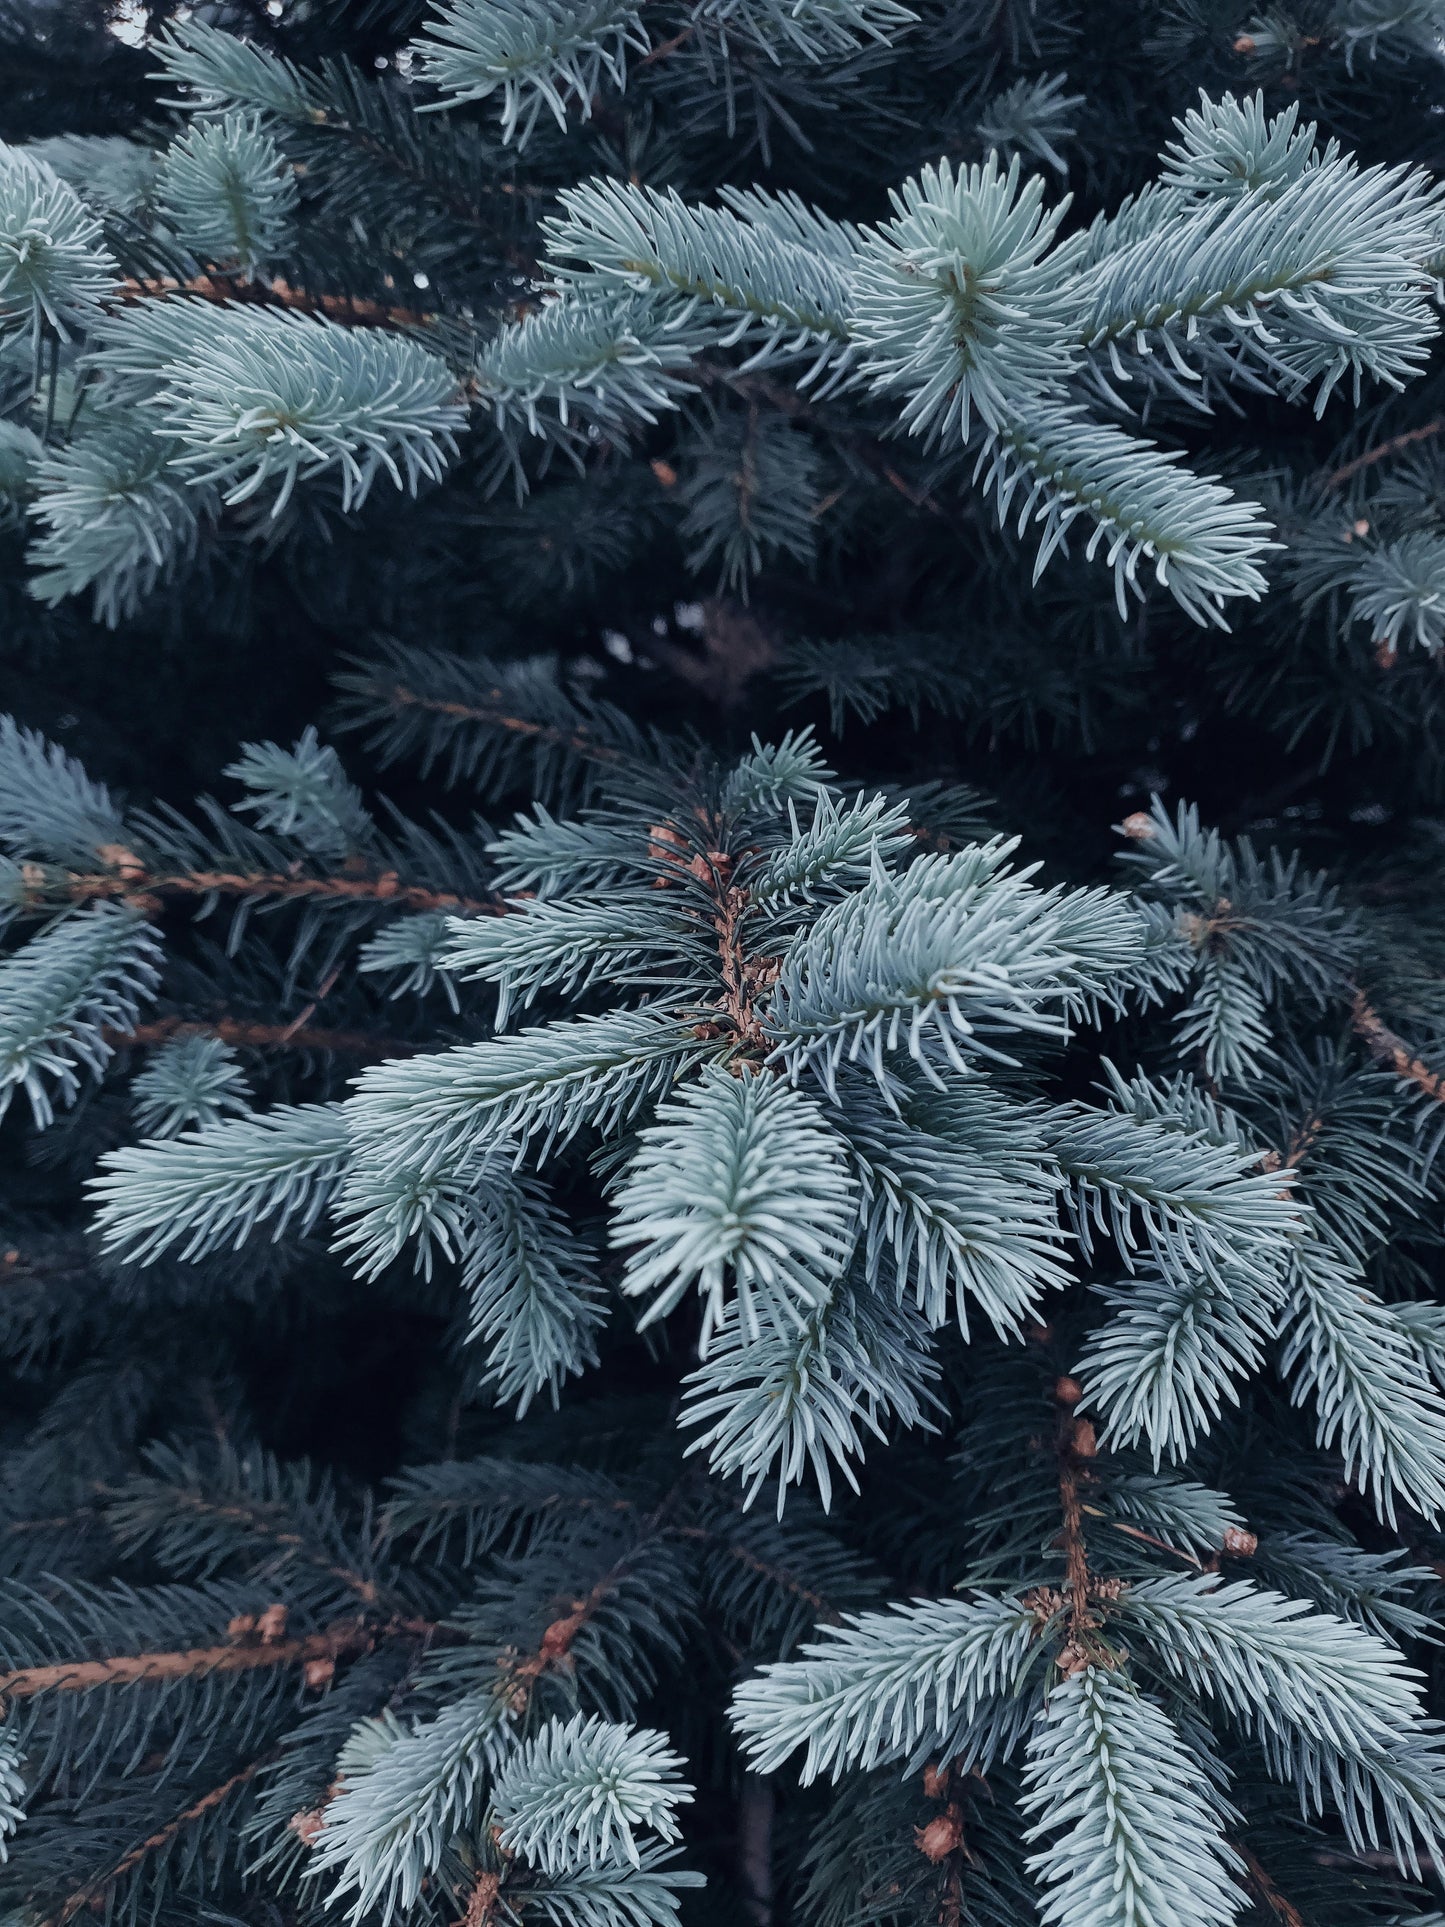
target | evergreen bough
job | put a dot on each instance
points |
(765, 1330)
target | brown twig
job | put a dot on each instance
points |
(1162, 1545)
(1266, 1889)
(93, 1890)
(577, 740)
(132, 884)
(556, 1645)
(199, 1662)
(354, 310)
(1339, 476)
(1074, 1444)
(1076, 1557)
(248, 1036)
(667, 47)
(1392, 1051)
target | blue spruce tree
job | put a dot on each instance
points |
(834, 1314)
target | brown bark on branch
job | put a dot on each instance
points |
(247, 1036)
(1270, 1894)
(1392, 1051)
(1339, 476)
(146, 891)
(199, 1662)
(400, 697)
(351, 309)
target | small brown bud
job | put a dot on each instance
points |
(1243, 1544)
(1245, 44)
(125, 863)
(241, 1625)
(935, 1781)
(318, 1673)
(271, 1624)
(1139, 826)
(941, 1837)
(1386, 654)
(1068, 1391)
(307, 1826)
(1361, 527)
(665, 473)
(482, 1901)
(1073, 1659)
(1086, 1443)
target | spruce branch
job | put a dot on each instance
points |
(92, 1895)
(240, 1655)
(1144, 1840)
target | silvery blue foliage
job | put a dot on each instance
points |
(55, 271)
(194, 1080)
(60, 994)
(741, 1182)
(1138, 1832)
(272, 397)
(579, 1792)
(304, 793)
(404, 1791)
(972, 1318)
(12, 1786)
(805, 1070)
(115, 515)
(554, 54)
(50, 809)
(227, 192)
